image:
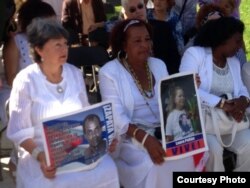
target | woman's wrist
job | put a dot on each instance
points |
(247, 101)
(135, 131)
(140, 135)
(35, 152)
(144, 139)
(222, 103)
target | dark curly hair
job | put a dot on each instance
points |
(215, 32)
(119, 36)
(33, 9)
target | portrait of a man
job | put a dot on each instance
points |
(92, 130)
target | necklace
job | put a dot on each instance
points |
(145, 94)
(59, 89)
(148, 94)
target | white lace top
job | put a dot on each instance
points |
(222, 81)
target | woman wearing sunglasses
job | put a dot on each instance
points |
(134, 9)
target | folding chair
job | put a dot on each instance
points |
(84, 56)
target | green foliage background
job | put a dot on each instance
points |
(244, 14)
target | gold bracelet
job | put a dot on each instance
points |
(222, 103)
(135, 131)
(144, 139)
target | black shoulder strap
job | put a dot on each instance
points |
(182, 9)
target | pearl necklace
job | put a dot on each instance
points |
(148, 94)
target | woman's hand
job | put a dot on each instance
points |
(113, 145)
(155, 150)
(95, 26)
(48, 171)
(236, 108)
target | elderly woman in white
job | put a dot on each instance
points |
(47, 88)
(130, 81)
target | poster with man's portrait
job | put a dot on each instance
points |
(79, 140)
(181, 120)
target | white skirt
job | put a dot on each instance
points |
(104, 175)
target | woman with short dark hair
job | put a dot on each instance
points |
(50, 87)
(213, 59)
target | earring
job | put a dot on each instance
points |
(126, 56)
(121, 54)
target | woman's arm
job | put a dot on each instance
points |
(22, 133)
(122, 121)
(192, 61)
(11, 60)
(109, 91)
(39, 155)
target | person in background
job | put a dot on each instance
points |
(16, 49)
(57, 6)
(232, 9)
(212, 57)
(7, 11)
(47, 88)
(80, 17)
(131, 9)
(207, 12)
(164, 11)
(130, 81)
(232, 6)
(212, 11)
(72, 21)
(164, 44)
(16, 52)
(187, 10)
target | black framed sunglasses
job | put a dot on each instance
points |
(133, 9)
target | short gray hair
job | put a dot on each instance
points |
(124, 3)
(41, 30)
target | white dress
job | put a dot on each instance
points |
(33, 98)
(135, 167)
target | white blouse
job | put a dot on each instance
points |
(31, 100)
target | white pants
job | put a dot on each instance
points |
(240, 146)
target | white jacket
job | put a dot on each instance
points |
(115, 86)
(199, 60)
